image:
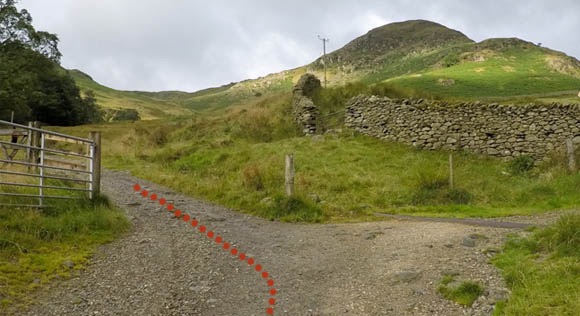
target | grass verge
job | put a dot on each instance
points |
(543, 270)
(39, 247)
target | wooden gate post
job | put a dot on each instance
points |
(96, 138)
(35, 141)
(29, 144)
(289, 175)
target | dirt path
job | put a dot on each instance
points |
(165, 267)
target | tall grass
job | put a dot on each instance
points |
(543, 270)
(39, 246)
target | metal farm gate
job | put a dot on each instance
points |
(39, 166)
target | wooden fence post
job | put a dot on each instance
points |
(96, 137)
(289, 175)
(451, 184)
(571, 157)
(35, 142)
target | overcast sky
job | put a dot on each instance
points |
(189, 45)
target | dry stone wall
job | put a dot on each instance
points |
(492, 129)
(305, 111)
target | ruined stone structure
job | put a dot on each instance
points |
(305, 112)
(492, 129)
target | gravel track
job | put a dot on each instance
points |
(165, 267)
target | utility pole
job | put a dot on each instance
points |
(324, 40)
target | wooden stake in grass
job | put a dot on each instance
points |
(451, 171)
(571, 158)
(289, 175)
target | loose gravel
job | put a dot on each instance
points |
(165, 267)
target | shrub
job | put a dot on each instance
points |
(252, 178)
(433, 191)
(126, 115)
(521, 165)
(459, 196)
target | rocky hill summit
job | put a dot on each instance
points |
(395, 39)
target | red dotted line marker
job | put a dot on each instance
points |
(226, 246)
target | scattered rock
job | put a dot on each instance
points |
(406, 276)
(450, 272)
(68, 264)
(468, 242)
(317, 138)
(215, 219)
(498, 294)
(445, 82)
(372, 235)
(266, 201)
(477, 236)
(314, 197)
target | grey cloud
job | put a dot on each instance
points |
(190, 45)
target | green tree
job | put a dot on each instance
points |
(32, 83)
(126, 115)
(90, 111)
(16, 26)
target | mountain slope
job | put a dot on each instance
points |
(418, 58)
(149, 105)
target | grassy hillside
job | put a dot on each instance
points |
(520, 69)
(147, 104)
(164, 104)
